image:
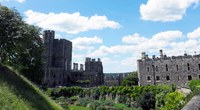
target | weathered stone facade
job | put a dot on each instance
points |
(58, 60)
(114, 79)
(93, 72)
(168, 70)
(57, 57)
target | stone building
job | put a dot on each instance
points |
(93, 72)
(58, 60)
(168, 70)
(57, 57)
(114, 79)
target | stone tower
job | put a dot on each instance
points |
(57, 56)
(95, 68)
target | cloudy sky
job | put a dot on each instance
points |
(117, 31)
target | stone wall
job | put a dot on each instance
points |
(58, 59)
(168, 70)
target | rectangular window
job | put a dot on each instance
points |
(147, 69)
(167, 78)
(148, 78)
(189, 77)
(188, 66)
(176, 67)
(166, 67)
(158, 78)
(199, 66)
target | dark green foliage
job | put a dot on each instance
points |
(193, 84)
(20, 45)
(128, 95)
(147, 101)
(130, 80)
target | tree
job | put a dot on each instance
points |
(130, 80)
(147, 101)
(20, 44)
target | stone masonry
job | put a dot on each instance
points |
(176, 70)
(58, 60)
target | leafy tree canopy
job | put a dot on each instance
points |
(20, 44)
(130, 80)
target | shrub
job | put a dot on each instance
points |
(173, 101)
(83, 102)
(147, 101)
(193, 84)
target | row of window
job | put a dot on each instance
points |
(177, 67)
(167, 78)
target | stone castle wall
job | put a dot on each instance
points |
(58, 60)
(168, 70)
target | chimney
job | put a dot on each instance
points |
(161, 53)
(143, 55)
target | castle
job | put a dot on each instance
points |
(168, 70)
(58, 60)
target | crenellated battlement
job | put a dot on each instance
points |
(168, 69)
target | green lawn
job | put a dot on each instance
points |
(17, 93)
(73, 107)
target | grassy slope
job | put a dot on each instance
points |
(17, 93)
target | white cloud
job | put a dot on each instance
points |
(70, 23)
(165, 10)
(123, 57)
(156, 42)
(195, 34)
(133, 39)
(21, 1)
(84, 43)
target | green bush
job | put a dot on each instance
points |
(193, 84)
(173, 101)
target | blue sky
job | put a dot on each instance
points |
(117, 31)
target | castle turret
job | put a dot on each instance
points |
(143, 55)
(48, 37)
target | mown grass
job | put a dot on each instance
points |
(18, 93)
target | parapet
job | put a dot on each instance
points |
(88, 59)
(165, 57)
